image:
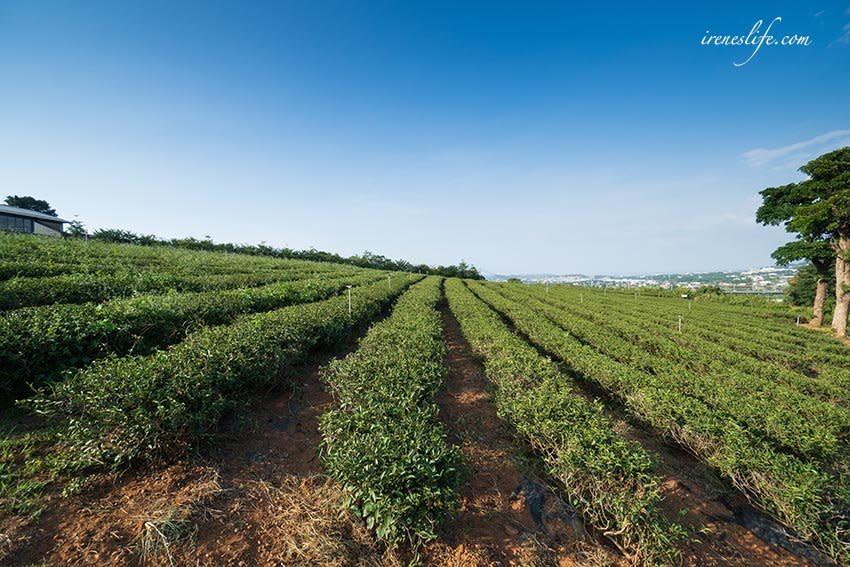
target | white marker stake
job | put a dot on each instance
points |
(798, 320)
(388, 282)
(680, 323)
(349, 300)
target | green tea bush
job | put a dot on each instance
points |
(121, 409)
(28, 255)
(37, 343)
(809, 496)
(791, 420)
(384, 442)
(607, 478)
(96, 287)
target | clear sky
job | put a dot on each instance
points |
(523, 137)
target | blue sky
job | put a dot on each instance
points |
(556, 137)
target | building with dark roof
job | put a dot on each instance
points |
(15, 219)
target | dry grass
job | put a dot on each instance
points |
(305, 524)
(5, 545)
(533, 551)
(173, 520)
(538, 551)
(594, 555)
(160, 533)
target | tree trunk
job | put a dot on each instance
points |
(820, 299)
(842, 286)
(839, 320)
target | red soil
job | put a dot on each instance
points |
(260, 499)
(491, 523)
(492, 528)
(227, 503)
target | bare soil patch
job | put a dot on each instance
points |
(258, 498)
(725, 529)
(506, 517)
(717, 516)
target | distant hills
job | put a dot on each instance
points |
(769, 280)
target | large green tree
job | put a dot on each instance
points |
(803, 287)
(818, 211)
(821, 258)
(30, 203)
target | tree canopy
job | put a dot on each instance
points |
(30, 203)
(818, 252)
(801, 288)
(366, 260)
(817, 210)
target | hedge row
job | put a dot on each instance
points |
(607, 478)
(37, 343)
(812, 501)
(28, 255)
(144, 407)
(384, 442)
(186, 266)
(81, 288)
(787, 418)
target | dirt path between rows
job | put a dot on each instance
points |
(721, 521)
(256, 498)
(496, 524)
(259, 498)
(725, 529)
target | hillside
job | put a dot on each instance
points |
(178, 406)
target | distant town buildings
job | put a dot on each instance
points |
(769, 280)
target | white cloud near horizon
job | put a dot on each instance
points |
(759, 157)
(845, 36)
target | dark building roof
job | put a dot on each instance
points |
(17, 211)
